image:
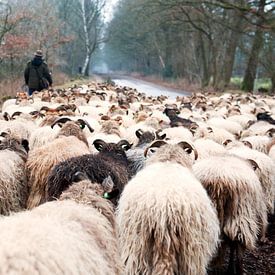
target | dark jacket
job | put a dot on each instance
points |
(35, 68)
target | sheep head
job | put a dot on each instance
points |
(72, 128)
(183, 153)
(147, 137)
(13, 143)
(116, 149)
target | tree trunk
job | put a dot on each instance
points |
(85, 70)
(205, 66)
(273, 83)
(251, 68)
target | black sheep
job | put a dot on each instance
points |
(176, 121)
(265, 117)
(110, 161)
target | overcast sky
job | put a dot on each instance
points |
(109, 7)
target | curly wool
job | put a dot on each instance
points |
(266, 173)
(41, 160)
(59, 237)
(13, 182)
(237, 195)
(168, 211)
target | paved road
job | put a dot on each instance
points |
(147, 87)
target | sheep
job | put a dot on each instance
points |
(136, 155)
(208, 147)
(175, 120)
(168, 211)
(42, 136)
(238, 197)
(13, 181)
(110, 161)
(266, 172)
(42, 159)
(73, 236)
(258, 143)
(271, 149)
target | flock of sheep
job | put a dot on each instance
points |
(100, 179)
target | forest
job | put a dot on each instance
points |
(220, 44)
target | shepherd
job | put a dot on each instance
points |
(37, 74)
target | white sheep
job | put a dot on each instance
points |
(172, 228)
(238, 197)
(62, 237)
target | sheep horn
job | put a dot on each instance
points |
(60, 120)
(124, 144)
(270, 132)
(139, 133)
(254, 164)
(155, 144)
(84, 123)
(6, 116)
(247, 143)
(158, 136)
(98, 144)
(16, 114)
(185, 145)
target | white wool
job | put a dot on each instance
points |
(152, 211)
(258, 128)
(177, 133)
(219, 135)
(21, 128)
(55, 238)
(258, 143)
(231, 180)
(266, 173)
(42, 136)
(230, 126)
(242, 119)
(208, 147)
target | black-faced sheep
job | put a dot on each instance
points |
(176, 121)
(110, 161)
(167, 224)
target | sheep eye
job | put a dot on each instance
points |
(82, 126)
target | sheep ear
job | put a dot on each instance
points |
(79, 176)
(99, 144)
(188, 148)
(83, 123)
(25, 144)
(124, 144)
(60, 121)
(247, 143)
(270, 132)
(209, 129)
(139, 133)
(108, 184)
(253, 164)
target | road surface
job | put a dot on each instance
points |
(146, 87)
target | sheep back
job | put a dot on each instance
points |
(168, 211)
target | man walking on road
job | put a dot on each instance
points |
(37, 74)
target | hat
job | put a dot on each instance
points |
(38, 53)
